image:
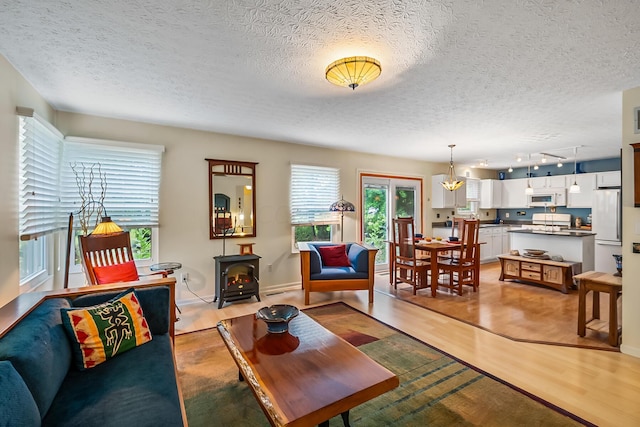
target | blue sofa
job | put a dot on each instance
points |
(39, 385)
(317, 277)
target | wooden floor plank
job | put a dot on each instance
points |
(602, 387)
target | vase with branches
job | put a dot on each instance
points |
(92, 188)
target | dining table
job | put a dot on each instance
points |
(434, 247)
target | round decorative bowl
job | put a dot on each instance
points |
(535, 251)
(277, 317)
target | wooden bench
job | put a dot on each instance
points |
(555, 274)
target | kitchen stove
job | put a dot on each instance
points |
(548, 222)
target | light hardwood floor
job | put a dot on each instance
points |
(602, 387)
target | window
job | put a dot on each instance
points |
(313, 190)
(133, 184)
(33, 267)
(48, 191)
(40, 150)
(473, 198)
(132, 175)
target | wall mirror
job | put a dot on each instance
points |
(232, 199)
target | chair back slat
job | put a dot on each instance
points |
(470, 231)
(404, 239)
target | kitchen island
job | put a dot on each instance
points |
(571, 245)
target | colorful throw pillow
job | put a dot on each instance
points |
(125, 272)
(334, 256)
(103, 331)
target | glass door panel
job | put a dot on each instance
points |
(375, 219)
(384, 199)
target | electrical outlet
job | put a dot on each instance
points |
(184, 277)
(506, 214)
(270, 267)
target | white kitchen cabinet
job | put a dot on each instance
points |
(491, 239)
(486, 248)
(513, 193)
(583, 199)
(441, 198)
(490, 194)
(609, 179)
(506, 240)
(553, 181)
(443, 232)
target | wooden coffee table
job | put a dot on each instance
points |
(305, 376)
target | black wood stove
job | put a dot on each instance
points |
(236, 277)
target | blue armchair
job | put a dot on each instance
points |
(316, 277)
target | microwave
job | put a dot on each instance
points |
(547, 197)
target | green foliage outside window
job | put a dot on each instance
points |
(375, 221)
(140, 244)
(312, 233)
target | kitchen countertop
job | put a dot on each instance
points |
(569, 232)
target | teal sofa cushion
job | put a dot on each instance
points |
(40, 352)
(137, 388)
(17, 407)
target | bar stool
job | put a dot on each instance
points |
(599, 282)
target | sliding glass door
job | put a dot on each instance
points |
(385, 198)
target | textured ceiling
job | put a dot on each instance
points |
(498, 78)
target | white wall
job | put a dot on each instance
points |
(14, 91)
(630, 230)
(184, 233)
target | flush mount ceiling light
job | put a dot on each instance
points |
(353, 71)
(452, 183)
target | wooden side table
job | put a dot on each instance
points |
(599, 282)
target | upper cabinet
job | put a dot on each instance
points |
(441, 198)
(490, 194)
(554, 181)
(609, 179)
(583, 199)
(513, 193)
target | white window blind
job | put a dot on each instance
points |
(473, 189)
(40, 154)
(132, 175)
(313, 190)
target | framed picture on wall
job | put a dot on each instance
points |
(636, 120)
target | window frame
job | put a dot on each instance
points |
(305, 181)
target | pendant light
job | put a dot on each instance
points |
(529, 189)
(452, 183)
(575, 188)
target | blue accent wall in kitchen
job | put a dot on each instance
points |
(589, 166)
(513, 213)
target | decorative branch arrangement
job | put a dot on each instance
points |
(86, 178)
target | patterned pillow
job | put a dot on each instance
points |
(103, 331)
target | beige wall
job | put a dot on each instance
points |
(184, 236)
(630, 230)
(14, 91)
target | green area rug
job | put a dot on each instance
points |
(435, 388)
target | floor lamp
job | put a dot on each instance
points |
(342, 206)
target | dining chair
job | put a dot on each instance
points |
(109, 259)
(408, 267)
(464, 270)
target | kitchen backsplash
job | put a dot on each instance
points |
(528, 212)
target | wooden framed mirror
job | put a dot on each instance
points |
(232, 199)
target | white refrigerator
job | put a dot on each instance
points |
(606, 218)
